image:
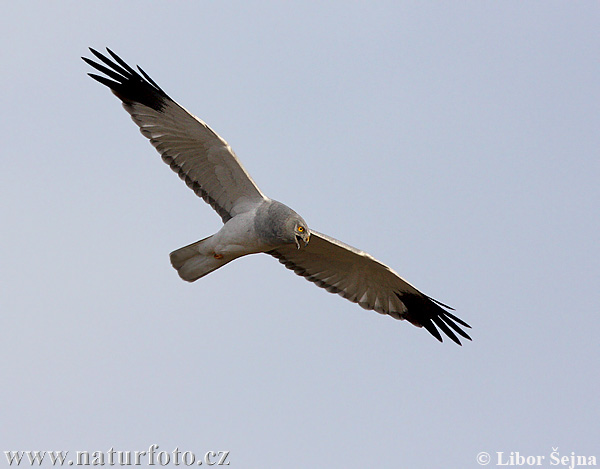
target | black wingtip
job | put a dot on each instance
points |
(440, 303)
(458, 320)
(445, 329)
(449, 322)
(424, 311)
(428, 324)
(125, 82)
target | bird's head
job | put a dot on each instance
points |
(301, 233)
(279, 225)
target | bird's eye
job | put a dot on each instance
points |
(300, 229)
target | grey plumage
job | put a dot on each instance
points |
(276, 224)
(253, 223)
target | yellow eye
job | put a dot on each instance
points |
(300, 229)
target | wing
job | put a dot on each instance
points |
(360, 278)
(193, 150)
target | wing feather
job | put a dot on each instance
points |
(360, 278)
(193, 150)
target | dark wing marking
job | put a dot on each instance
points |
(193, 150)
(360, 278)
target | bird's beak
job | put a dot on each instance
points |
(304, 240)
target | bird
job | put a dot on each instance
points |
(252, 222)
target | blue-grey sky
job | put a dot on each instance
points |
(457, 142)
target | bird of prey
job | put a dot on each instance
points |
(252, 222)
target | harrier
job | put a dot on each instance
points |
(254, 223)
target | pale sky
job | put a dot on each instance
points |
(457, 142)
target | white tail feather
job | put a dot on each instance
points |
(191, 264)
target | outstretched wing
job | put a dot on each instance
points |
(191, 148)
(360, 278)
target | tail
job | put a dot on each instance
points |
(191, 264)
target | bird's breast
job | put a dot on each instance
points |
(238, 237)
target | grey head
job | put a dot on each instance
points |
(278, 225)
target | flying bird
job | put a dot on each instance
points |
(252, 222)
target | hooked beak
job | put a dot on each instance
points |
(304, 240)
